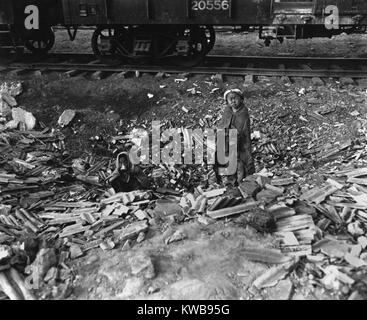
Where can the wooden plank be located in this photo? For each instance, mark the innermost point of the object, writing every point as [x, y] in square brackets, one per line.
[74, 229]
[317, 195]
[281, 211]
[72, 73]
[98, 75]
[282, 181]
[265, 255]
[8, 288]
[108, 229]
[214, 193]
[330, 213]
[226, 212]
[298, 251]
[347, 205]
[270, 277]
[132, 230]
[80, 204]
[358, 180]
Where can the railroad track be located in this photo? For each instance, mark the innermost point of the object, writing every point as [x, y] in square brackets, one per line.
[280, 66]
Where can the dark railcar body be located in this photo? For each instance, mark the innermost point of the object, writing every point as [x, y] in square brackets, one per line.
[216, 12]
[165, 28]
[210, 12]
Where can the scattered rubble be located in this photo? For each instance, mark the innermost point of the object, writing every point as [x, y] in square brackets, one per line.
[50, 200]
[66, 118]
[142, 265]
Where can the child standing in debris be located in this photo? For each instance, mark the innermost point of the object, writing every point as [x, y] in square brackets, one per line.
[236, 116]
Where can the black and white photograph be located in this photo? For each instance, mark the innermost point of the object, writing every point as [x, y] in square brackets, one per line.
[192, 152]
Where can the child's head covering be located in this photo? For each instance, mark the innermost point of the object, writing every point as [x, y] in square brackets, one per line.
[238, 91]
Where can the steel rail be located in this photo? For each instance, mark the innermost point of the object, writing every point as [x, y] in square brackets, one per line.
[240, 71]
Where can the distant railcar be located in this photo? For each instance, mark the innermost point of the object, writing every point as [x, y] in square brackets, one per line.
[13, 31]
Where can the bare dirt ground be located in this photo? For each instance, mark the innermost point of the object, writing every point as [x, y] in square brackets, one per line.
[249, 44]
[208, 264]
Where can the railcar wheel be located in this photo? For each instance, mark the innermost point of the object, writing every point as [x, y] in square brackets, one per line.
[197, 47]
[103, 45]
[40, 41]
[210, 35]
[112, 44]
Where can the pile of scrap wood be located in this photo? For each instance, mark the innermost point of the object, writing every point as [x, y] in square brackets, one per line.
[325, 227]
[45, 195]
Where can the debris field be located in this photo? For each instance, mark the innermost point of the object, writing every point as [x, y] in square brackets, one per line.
[294, 230]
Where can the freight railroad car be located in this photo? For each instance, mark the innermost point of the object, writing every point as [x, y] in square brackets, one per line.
[178, 29]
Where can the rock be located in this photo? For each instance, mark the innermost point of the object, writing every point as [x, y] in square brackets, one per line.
[62, 291]
[354, 261]
[356, 296]
[272, 276]
[75, 252]
[356, 228]
[11, 124]
[141, 237]
[11, 88]
[262, 180]
[189, 289]
[66, 117]
[298, 296]
[5, 253]
[133, 287]
[4, 209]
[317, 81]
[21, 116]
[160, 75]
[362, 83]
[65, 274]
[152, 290]
[167, 207]
[92, 259]
[267, 195]
[363, 242]
[141, 215]
[8, 99]
[142, 265]
[346, 81]
[249, 79]
[356, 250]
[282, 291]
[204, 220]
[51, 274]
[127, 245]
[177, 236]
[108, 244]
[363, 256]
[332, 248]
[46, 258]
[5, 109]
[249, 187]
[217, 78]
[79, 165]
